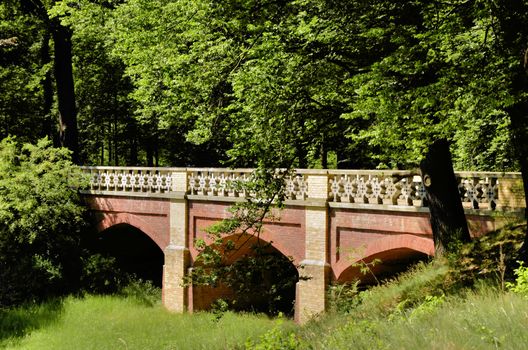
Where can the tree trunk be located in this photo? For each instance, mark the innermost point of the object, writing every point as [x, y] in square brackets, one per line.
[133, 143]
[324, 153]
[47, 87]
[519, 131]
[149, 149]
[520, 140]
[448, 220]
[301, 155]
[68, 133]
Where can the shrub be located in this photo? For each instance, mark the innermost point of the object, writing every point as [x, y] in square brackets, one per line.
[41, 216]
[275, 339]
[521, 281]
[343, 297]
[143, 292]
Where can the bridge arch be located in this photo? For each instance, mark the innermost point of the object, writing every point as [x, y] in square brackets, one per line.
[254, 296]
[111, 219]
[134, 252]
[391, 250]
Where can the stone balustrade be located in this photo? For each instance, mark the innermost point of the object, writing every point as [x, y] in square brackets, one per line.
[478, 190]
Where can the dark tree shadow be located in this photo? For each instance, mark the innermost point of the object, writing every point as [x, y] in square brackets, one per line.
[18, 322]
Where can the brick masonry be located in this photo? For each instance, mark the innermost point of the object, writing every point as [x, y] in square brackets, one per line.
[150, 215]
[326, 240]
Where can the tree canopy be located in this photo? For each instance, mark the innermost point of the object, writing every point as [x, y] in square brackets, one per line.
[325, 83]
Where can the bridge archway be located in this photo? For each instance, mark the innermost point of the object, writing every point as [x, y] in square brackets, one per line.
[257, 278]
[385, 257]
[111, 219]
[134, 251]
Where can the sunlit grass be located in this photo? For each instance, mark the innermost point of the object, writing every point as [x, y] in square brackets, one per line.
[424, 308]
[104, 322]
[482, 321]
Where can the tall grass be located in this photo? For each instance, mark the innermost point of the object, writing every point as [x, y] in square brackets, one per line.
[15, 323]
[455, 303]
[482, 321]
[109, 322]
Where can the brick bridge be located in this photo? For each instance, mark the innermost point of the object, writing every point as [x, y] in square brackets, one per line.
[332, 220]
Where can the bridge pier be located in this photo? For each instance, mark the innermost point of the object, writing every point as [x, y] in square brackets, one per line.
[315, 270]
[174, 295]
[177, 254]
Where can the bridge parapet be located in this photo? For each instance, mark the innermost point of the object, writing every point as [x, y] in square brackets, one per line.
[374, 188]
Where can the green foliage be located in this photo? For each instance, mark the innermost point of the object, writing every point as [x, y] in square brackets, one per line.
[275, 339]
[42, 218]
[428, 306]
[100, 274]
[143, 292]
[219, 308]
[521, 280]
[23, 71]
[105, 322]
[343, 297]
[310, 83]
[491, 256]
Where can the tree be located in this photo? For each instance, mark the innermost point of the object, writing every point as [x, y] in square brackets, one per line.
[513, 44]
[448, 221]
[439, 77]
[256, 74]
[23, 75]
[62, 68]
[42, 216]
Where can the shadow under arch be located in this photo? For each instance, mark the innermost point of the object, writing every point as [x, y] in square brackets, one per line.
[261, 278]
[112, 219]
[394, 253]
[135, 253]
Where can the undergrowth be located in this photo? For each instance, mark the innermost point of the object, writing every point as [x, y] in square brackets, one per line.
[457, 294]
[476, 299]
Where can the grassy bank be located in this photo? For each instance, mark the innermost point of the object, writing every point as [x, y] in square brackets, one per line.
[104, 322]
[483, 319]
[486, 319]
[459, 302]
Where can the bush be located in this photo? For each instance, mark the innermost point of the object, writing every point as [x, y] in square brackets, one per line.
[275, 339]
[42, 217]
[343, 297]
[521, 281]
[143, 292]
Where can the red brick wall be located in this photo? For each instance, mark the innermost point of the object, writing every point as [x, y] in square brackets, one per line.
[354, 233]
[353, 230]
[287, 234]
[201, 297]
[358, 234]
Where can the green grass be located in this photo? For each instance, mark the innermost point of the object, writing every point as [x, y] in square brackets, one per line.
[453, 303]
[482, 321]
[105, 322]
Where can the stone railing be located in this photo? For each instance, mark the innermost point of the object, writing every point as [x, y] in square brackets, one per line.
[478, 190]
[130, 179]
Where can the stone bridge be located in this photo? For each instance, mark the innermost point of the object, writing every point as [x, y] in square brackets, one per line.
[332, 220]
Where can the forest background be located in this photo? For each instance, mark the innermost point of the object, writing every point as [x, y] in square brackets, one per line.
[324, 83]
